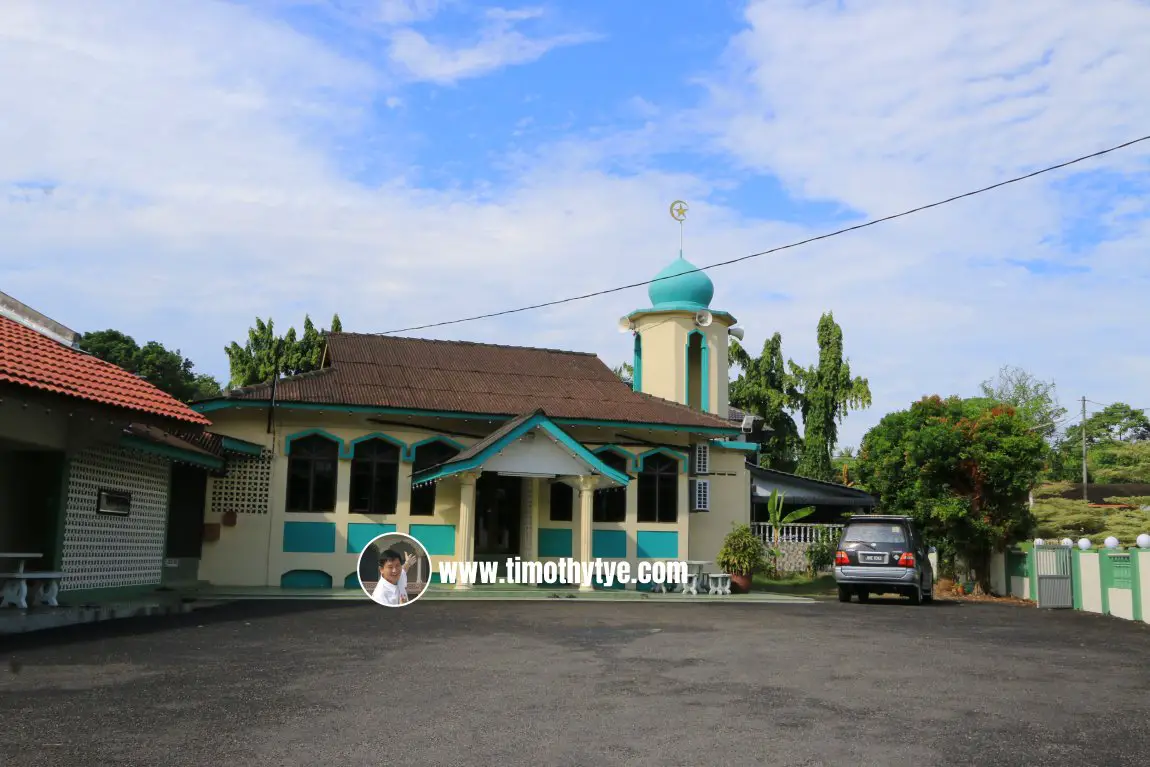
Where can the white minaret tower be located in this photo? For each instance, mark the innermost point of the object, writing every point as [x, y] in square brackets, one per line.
[680, 342]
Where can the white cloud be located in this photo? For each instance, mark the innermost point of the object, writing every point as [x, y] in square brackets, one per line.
[499, 45]
[884, 107]
[196, 187]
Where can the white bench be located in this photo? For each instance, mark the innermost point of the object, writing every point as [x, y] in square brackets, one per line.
[718, 583]
[45, 588]
[14, 585]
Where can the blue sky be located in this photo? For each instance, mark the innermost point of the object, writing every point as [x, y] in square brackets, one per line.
[405, 162]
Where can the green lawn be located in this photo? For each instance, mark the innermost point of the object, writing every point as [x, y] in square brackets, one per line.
[798, 584]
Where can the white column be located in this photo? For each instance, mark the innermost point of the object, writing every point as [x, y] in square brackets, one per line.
[465, 536]
[587, 486]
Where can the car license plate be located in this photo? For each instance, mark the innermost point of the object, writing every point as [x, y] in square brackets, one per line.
[869, 558]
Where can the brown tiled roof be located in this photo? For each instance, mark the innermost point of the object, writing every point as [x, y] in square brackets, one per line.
[191, 443]
[466, 377]
[29, 358]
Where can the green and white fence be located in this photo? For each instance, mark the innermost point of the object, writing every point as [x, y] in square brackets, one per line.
[1109, 581]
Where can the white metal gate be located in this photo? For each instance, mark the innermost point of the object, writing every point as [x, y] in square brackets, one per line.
[1055, 577]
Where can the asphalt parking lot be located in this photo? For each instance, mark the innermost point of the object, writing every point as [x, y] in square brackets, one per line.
[568, 683]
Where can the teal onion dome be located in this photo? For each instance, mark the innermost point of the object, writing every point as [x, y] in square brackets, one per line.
[689, 289]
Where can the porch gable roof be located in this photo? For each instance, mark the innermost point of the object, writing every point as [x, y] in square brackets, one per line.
[511, 432]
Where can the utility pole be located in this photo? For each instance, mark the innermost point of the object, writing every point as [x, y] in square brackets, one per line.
[1085, 496]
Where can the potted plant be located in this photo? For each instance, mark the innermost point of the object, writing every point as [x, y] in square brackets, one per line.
[742, 555]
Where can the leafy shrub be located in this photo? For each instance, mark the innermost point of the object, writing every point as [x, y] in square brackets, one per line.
[821, 552]
[743, 552]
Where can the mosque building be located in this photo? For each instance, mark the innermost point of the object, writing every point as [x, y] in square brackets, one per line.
[485, 451]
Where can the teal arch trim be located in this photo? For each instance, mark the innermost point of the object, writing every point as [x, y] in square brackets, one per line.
[305, 579]
[704, 370]
[349, 449]
[508, 433]
[225, 404]
[352, 581]
[681, 457]
[637, 365]
[409, 456]
[626, 455]
[289, 439]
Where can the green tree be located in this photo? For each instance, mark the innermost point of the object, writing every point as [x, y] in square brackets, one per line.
[165, 369]
[1117, 446]
[826, 391]
[1035, 401]
[963, 468]
[264, 353]
[625, 372]
[765, 388]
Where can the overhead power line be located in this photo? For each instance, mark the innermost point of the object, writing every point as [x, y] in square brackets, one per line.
[809, 240]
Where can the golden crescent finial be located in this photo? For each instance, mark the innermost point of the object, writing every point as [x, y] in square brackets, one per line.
[679, 210]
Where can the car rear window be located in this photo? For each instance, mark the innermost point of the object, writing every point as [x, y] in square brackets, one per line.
[875, 532]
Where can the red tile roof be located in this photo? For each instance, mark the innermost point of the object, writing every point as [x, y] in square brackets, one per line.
[467, 377]
[29, 358]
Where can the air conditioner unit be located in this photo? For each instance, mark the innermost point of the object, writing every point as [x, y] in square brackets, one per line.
[702, 458]
[700, 494]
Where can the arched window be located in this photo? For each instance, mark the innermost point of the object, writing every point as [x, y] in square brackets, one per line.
[611, 505]
[697, 371]
[562, 502]
[428, 456]
[312, 474]
[659, 489]
[375, 477]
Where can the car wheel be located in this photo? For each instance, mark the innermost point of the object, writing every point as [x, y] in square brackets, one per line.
[844, 594]
[928, 596]
[916, 595]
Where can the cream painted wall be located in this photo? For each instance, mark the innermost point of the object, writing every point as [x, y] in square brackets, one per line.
[1121, 603]
[1144, 582]
[251, 553]
[664, 338]
[730, 503]
[1091, 588]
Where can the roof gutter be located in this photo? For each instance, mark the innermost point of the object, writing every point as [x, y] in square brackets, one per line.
[221, 404]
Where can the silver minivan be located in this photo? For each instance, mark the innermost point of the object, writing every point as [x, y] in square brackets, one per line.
[883, 554]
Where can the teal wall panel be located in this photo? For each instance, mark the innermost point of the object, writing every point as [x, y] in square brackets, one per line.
[359, 534]
[309, 537]
[554, 542]
[657, 544]
[439, 540]
[305, 579]
[352, 582]
[609, 544]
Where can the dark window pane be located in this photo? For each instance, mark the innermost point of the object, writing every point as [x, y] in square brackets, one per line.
[562, 502]
[323, 485]
[384, 491]
[611, 505]
[299, 485]
[658, 489]
[427, 456]
[423, 501]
